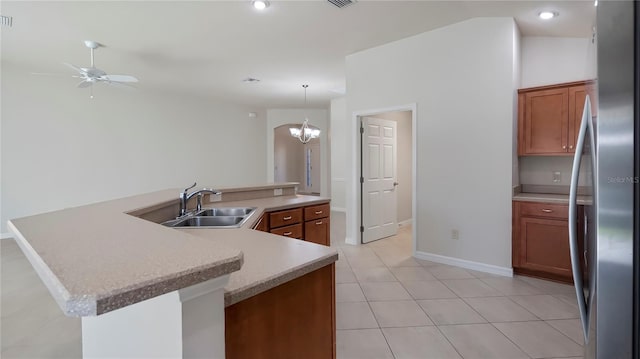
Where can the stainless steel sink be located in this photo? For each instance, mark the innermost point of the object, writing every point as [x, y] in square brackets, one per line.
[223, 217]
[225, 211]
[219, 221]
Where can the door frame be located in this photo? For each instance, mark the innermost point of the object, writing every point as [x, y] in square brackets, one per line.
[354, 214]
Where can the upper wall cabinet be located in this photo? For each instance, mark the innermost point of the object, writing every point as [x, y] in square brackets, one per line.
[549, 117]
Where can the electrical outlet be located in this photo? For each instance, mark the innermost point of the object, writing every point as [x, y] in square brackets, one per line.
[277, 192]
[215, 197]
[557, 177]
[455, 234]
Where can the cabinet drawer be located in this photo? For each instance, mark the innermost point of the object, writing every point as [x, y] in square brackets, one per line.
[285, 218]
[294, 231]
[314, 212]
[545, 210]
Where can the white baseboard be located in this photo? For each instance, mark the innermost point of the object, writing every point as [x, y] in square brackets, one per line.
[477, 266]
[405, 223]
[338, 209]
[6, 235]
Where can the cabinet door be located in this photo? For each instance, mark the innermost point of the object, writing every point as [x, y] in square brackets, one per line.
[545, 122]
[262, 224]
[577, 96]
[544, 246]
[317, 231]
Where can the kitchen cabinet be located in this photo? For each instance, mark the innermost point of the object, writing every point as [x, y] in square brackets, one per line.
[310, 223]
[540, 240]
[549, 117]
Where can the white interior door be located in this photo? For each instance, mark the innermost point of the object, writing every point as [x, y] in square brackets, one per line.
[312, 168]
[379, 197]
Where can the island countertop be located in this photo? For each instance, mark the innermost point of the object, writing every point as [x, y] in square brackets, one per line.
[98, 258]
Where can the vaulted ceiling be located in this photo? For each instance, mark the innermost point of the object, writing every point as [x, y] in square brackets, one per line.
[207, 48]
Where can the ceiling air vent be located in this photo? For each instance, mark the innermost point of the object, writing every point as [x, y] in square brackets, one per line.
[6, 20]
[342, 3]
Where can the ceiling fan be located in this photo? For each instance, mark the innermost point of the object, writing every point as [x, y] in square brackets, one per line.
[91, 75]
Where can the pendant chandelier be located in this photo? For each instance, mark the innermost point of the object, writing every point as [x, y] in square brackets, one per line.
[304, 133]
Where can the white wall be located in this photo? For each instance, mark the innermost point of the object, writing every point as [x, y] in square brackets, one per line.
[404, 189]
[339, 125]
[462, 79]
[62, 149]
[552, 60]
[318, 118]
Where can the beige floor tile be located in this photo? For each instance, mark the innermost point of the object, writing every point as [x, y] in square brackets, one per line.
[406, 274]
[481, 341]
[399, 261]
[365, 262]
[471, 288]
[547, 307]
[356, 250]
[60, 338]
[345, 275]
[427, 264]
[547, 286]
[432, 289]
[539, 339]
[379, 291]
[419, 342]
[28, 320]
[450, 311]
[449, 272]
[405, 313]
[511, 286]
[568, 298]
[362, 344]
[354, 315]
[374, 274]
[479, 274]
[349, 292]
[500, 309]
[569, 327]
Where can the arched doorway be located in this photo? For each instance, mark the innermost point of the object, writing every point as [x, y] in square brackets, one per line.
[295, 161]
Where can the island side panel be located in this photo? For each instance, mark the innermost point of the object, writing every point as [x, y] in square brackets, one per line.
[293, 320]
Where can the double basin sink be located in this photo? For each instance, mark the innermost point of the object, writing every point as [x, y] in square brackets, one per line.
[223, 217]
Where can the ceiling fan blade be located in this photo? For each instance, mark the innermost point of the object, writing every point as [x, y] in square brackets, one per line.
[120, 84]
[48, 74]
[118, 78]
[74, 67]
[85, 84]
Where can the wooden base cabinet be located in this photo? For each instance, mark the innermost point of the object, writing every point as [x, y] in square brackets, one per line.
[311, 223]
[294, 320]
[540, 241]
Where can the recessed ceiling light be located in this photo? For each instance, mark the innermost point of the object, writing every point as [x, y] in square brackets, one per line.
[260, 4]
[547, 15]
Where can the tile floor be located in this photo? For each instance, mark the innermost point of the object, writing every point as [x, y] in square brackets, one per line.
[389, 305]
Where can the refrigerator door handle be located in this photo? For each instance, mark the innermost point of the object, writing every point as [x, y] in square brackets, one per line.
[573, 216]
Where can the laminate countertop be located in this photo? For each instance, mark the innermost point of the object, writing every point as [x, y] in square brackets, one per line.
[98, 258]
[550, 198]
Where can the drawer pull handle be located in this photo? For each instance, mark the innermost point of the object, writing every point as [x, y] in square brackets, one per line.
[286, 218]
[318, 212]
[318, 223]
[287, 233]
[547, 210]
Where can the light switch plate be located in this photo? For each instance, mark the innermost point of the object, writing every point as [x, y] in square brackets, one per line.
[277, 192]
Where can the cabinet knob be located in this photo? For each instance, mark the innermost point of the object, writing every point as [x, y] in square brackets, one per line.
[570, 147]
[287, 233]
[564, 147]
[318, 223]
[286, 218]
[318, 212]
[546, 210]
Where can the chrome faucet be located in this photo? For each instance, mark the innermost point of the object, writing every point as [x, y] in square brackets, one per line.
[185, 197]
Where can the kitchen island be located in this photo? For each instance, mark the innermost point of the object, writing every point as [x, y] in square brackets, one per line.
[104, 259]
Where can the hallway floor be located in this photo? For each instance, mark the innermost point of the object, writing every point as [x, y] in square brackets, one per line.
[389, 305]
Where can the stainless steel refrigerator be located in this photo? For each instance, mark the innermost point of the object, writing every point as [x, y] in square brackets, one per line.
[604, 250]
